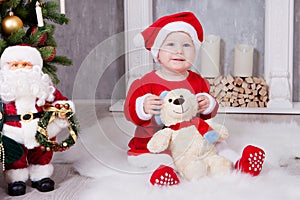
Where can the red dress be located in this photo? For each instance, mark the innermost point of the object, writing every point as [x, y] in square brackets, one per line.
[151, 83]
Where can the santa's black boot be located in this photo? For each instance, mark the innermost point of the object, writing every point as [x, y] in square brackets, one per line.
[44, 185]
[16, 188]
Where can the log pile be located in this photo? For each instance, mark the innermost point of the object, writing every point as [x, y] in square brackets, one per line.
[239, 91]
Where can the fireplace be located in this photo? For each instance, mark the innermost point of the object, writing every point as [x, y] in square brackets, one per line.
[278, 65]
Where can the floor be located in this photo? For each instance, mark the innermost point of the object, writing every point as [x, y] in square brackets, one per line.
[101, 152]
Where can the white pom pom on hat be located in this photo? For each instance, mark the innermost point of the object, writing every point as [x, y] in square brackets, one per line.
[21, 53]
[153, 36]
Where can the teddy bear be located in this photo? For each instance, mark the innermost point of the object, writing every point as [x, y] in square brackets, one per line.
[190, 139]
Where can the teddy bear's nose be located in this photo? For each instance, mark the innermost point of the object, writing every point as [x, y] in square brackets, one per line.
[178, 101]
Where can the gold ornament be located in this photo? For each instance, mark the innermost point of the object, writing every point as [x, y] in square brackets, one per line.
[11, 23]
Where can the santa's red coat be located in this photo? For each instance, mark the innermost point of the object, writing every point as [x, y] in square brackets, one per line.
[10, 108]
[32, 152]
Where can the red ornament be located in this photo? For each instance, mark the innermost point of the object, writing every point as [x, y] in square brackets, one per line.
[42, 39]
[57, 106]
[66, 106]
[52, 56]
[42, 148]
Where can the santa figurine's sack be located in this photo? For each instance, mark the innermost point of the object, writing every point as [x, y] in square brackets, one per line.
[10, 150]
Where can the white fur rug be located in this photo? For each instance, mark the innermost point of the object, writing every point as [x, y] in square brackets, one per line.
[101, 154]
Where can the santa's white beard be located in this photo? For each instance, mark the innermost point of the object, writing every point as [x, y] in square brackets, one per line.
[20, 83]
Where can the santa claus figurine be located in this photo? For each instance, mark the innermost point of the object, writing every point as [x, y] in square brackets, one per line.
[24, 90]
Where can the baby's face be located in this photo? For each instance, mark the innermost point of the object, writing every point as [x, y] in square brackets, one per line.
[177, 52]
[20, 65]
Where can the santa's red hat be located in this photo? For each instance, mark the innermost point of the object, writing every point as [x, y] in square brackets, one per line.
[153, 36]
[21, 53]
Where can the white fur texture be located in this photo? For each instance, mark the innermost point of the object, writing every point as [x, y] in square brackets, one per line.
[38, 172]
[20, 83]
[21, 53]
[160, 141]
[14, 175]
[172, 114]
[100, 153]
[193, 156]
[150, 161]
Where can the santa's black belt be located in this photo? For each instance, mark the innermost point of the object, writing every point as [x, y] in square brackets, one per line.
[26, 117]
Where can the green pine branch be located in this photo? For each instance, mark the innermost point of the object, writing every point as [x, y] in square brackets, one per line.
[3, 45]
[50, 9]
[62, 60]
[51, 71]
[12, 3]
[16, 37]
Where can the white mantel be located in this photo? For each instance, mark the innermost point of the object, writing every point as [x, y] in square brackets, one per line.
[279, 20]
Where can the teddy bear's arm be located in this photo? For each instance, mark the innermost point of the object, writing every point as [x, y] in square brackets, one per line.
[221, 130]
[160, 141]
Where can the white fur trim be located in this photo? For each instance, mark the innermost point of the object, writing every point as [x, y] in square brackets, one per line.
[29, 132]
[212, 103]
[14, 133]
[38, 172]
[139, 41]
[56, 126]
[14, 175]
[21, 53]
[150, 161]
[24, 135]
[173, 27]
[139, 107]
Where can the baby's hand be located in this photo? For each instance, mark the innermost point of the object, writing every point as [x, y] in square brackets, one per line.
[153, 104]
[203, 103]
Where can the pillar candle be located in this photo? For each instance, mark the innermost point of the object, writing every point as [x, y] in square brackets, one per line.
[39, 15]
[62, 7]
[210, 56]
[243, 60]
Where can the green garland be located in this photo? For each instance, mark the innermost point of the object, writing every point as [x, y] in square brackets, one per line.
[42, 136]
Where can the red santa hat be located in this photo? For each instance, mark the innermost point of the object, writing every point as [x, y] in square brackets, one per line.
[21, 53]
[153, 36]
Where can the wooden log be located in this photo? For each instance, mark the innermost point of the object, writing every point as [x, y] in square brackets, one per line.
[229, 78]
[249, 80]
[257, 80]
[252, 105]
[248, 91]
[241, 101]
[245, 85]
[217, 80]
[263, 92]
[238, 81]
[230, 86]
[224, 81]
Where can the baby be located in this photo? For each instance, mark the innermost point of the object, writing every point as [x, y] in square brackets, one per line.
[173, 42]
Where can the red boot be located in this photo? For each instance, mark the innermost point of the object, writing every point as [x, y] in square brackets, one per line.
[251, 161]
[164, 175]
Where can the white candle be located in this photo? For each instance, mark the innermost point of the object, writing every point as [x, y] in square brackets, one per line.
[62, 7]
[243, 60]
[39, 14]
[210, 56]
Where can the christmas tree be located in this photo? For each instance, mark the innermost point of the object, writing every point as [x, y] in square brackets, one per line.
[32, 22]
